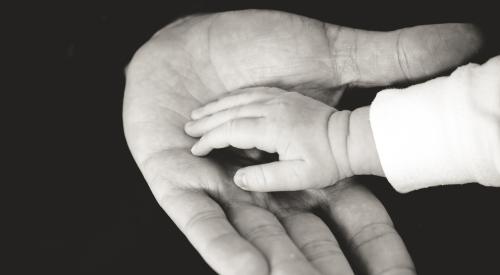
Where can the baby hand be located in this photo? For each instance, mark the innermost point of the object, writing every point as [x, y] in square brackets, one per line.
[275, 121]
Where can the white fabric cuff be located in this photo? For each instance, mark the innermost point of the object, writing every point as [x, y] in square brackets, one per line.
[414, 136]
[444, 131]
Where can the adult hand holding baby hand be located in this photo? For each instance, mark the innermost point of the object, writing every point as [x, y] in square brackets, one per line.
[239, 232]
[276, 121]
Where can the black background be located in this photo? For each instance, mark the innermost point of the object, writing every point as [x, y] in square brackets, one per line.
[84, 208]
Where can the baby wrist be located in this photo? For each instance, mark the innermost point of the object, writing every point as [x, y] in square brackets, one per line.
[338, 131]
[361, 148]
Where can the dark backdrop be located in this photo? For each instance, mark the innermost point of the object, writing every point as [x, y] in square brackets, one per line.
[85, 208]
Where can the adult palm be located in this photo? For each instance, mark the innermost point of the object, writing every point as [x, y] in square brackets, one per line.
[197, 58]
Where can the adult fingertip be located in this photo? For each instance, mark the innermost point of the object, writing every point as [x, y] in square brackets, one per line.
[457, 43]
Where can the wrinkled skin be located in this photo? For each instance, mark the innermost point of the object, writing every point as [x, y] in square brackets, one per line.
[197, 58]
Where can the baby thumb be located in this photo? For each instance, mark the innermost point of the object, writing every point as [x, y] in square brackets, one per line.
[274, 176]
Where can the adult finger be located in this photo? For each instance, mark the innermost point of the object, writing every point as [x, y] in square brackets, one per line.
[370, 58]
[244, 133]
[198, 216]
[368, 230]
[199, 127]
[274, 176]
[206, 226]
[264, 231]
[316, 242]
[236, 98]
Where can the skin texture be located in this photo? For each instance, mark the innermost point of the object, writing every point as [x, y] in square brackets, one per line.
[195, 59]
[317, 146]
[361, 148]
[275, 121]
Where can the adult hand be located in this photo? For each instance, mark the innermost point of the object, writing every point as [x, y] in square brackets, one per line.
[194, 59]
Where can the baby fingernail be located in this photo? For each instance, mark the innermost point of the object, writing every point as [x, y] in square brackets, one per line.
[240, 180]
[194, 149]
[195, 114]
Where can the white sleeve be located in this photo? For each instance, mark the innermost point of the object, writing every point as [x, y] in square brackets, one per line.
[444, 131]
